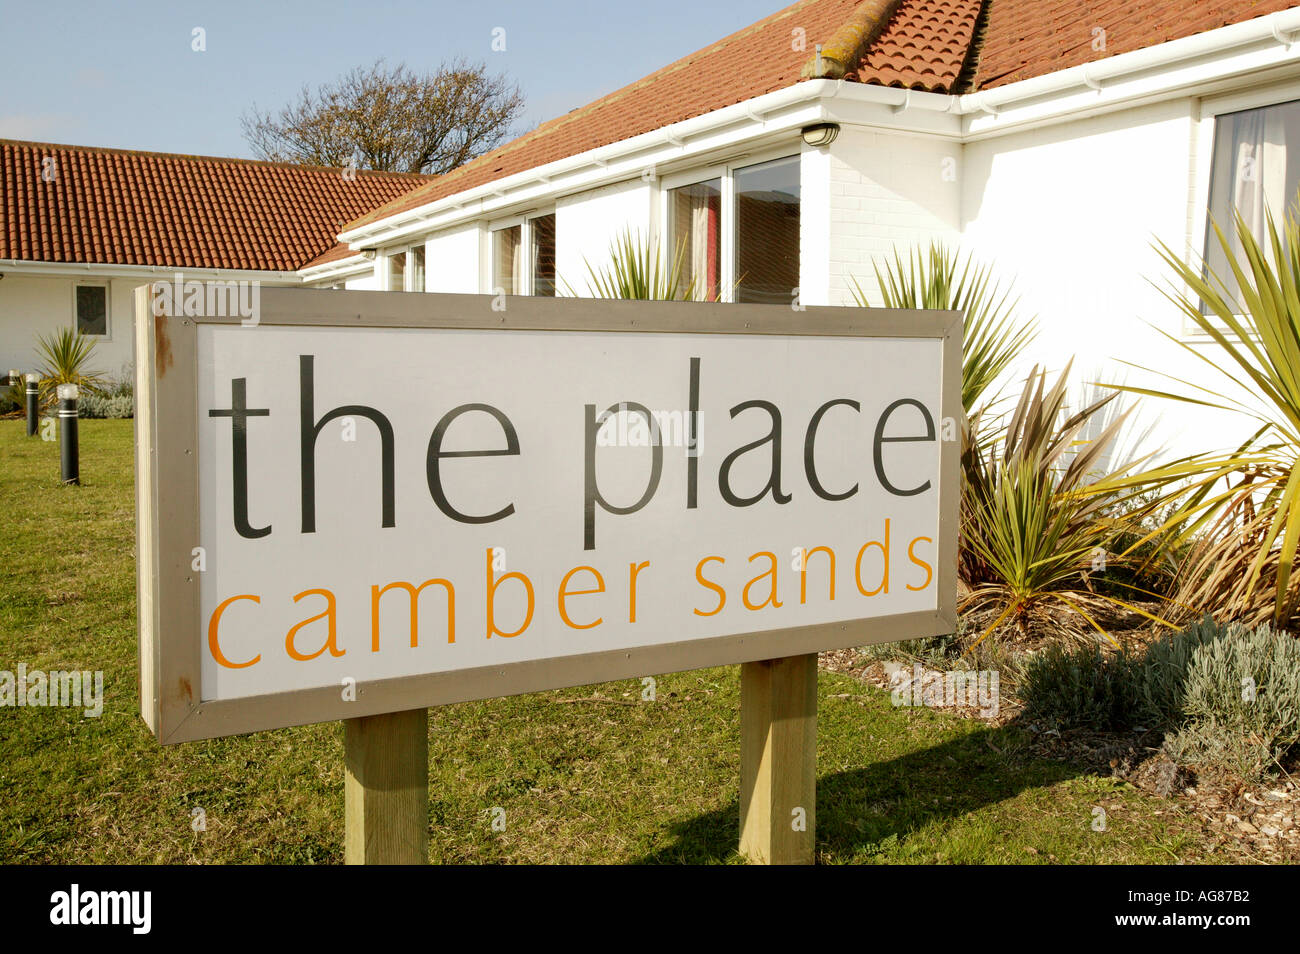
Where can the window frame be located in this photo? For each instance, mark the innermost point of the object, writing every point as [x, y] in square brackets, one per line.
[725, 171]
[1206, 124]
[105, 284]
[525, 222]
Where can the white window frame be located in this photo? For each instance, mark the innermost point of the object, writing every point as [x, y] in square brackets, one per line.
[525, 222]
[726, 172]
[1199, 233]
[108, 306]
[408, 274]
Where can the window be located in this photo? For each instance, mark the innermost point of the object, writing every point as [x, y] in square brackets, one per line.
[397, 271]
[1255, 167]
[542, 229]
[92, 309]
[737, 230]
[523, 257]
[507, 261]
[415, 279]
[767, 231]
[694, 233]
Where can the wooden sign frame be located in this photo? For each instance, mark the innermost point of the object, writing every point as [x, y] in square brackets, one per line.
[167, 472]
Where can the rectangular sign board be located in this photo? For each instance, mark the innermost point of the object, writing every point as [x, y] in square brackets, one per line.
[366, 502]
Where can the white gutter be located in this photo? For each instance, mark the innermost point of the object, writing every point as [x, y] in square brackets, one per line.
[1157, 71]
[24, 267]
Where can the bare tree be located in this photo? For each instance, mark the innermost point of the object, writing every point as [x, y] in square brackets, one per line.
[391, 120]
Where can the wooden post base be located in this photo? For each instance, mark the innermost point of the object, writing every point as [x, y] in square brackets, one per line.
[386, 792]
[778, 760]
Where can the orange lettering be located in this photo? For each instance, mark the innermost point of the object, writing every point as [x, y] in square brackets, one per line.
[803, 572]
[414, 592]
[214, 646]
[722, 594]
[633, 570]
[771, 598]
[492, 585]
[330, 643]
[929, 572]
[565, 593]
[857, 566]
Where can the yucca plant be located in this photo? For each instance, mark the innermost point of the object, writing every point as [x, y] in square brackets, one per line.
[1240, 510]
[940, 278]
[65, 355]
[637, 270]
[1032, 527]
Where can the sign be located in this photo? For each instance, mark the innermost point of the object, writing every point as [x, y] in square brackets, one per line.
[366, 502]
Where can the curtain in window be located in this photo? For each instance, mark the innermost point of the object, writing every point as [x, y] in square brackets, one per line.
[1253, 173]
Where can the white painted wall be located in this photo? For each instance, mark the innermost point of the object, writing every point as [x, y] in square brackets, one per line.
[585, 224]
[364, 282]
[886, 189]
[452, 261]
[1070, 213]
[39, 305]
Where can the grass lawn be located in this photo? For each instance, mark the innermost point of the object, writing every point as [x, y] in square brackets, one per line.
[590, 775]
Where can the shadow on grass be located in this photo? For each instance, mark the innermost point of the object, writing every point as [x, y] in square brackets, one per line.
[858, 811]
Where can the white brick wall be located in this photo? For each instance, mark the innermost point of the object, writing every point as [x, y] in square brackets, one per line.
[886, 190]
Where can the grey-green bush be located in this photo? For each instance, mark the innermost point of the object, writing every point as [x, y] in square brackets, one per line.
[1082, 687]
[109, 406]
[1241, 702]
[1165, 669]
[1225, 695]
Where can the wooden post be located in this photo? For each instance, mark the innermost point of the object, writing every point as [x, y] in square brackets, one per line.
[386, 792]
[778, 760]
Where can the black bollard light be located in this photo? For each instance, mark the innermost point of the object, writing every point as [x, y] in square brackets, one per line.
[33, 403]
[68, 458]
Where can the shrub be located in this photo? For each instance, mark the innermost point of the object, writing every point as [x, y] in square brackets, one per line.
[1082, 687]
[1032, 526]
[105, 406]
[66, 355]
[1165, 670]
[1226, 696]
[116, 399]
[1241, 701]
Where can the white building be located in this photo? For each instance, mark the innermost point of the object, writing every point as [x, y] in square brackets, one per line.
[1055, 142]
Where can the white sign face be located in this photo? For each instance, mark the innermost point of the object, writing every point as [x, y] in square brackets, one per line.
[383, 503]
[411, 501]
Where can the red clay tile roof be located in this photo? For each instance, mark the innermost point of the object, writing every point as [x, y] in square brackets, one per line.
[923, 47]
[928, 45]
[117, 207]
[1028, 38]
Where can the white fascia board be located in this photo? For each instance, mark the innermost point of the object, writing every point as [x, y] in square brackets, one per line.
[897, 110]
[146, 272]
[782, 110]
[343, 268]
[1178, 68]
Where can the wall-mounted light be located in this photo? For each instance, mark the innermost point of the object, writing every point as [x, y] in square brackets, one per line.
[820, 134]
[369, 254]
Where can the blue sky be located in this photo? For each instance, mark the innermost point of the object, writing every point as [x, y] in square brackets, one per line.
[123, 74]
